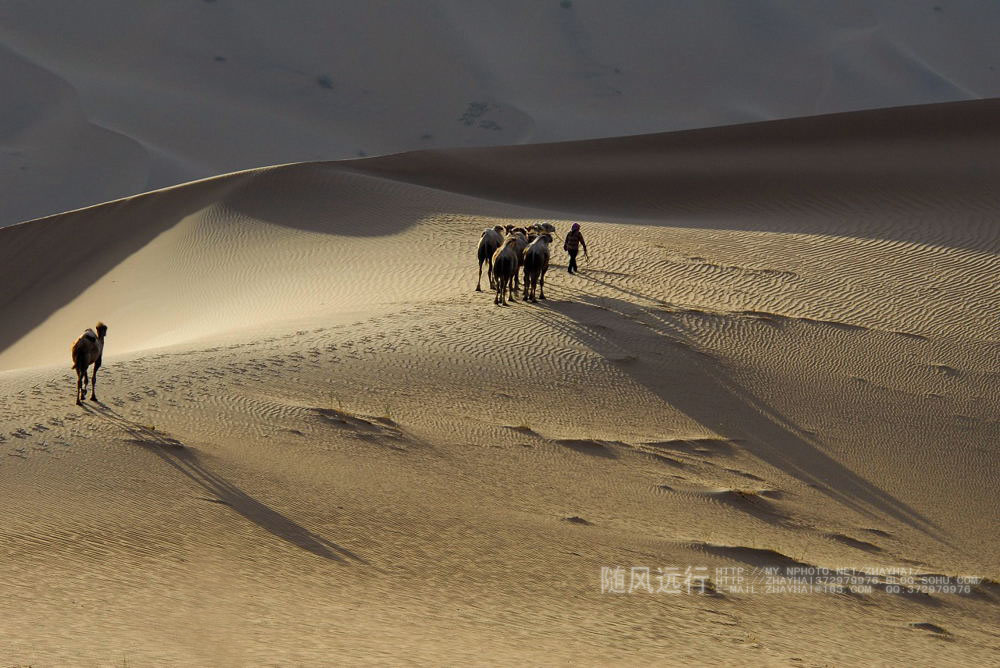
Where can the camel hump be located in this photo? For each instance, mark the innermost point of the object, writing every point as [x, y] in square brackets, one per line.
[89, 334]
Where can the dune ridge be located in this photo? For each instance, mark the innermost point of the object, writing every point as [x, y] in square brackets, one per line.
[129, 98]
[315, 439]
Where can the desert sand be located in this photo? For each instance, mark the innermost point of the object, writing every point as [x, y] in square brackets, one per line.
[109, 98]
[317, 444]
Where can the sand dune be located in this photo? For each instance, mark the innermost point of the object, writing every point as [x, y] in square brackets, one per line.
[853, 190]
[126, 98]
[316, 443]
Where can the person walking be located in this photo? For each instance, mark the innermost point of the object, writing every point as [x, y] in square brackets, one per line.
[574, 240]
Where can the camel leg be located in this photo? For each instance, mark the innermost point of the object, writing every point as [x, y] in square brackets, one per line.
[541, 285]
[93, 384]
[79, 387]
[479, 283]
[489, 272]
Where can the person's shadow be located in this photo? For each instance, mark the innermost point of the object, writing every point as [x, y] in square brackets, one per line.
[660, 352]
[186, 462]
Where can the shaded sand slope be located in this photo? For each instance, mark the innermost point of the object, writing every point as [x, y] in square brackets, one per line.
[843, 174]
[125, 98]
[315, 441]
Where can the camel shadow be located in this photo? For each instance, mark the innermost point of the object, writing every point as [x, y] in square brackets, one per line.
[663, 355]
[186, 462]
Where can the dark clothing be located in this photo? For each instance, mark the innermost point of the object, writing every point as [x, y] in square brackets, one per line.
[573, 241]
[572, 246]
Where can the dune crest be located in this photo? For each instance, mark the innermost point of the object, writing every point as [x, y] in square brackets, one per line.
[154, 96]
[315, 439]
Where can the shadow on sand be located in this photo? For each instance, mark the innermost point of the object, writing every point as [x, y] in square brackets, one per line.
[664, 355]
[186, 462]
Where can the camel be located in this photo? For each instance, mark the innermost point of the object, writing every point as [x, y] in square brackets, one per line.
[505, 266]
[520, 236]
[489, 242]
[536, 263]
[87, 350]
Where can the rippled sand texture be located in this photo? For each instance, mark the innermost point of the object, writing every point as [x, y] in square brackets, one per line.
[316, 443]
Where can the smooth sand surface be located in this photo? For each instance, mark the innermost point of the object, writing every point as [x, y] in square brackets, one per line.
[110, 98]
[316, 443]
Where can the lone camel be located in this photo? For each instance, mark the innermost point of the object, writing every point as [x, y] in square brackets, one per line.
[88, 350]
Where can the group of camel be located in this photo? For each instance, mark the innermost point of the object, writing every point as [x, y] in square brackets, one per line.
[506, 250]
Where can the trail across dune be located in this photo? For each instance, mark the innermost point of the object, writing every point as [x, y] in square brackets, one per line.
[316, 440]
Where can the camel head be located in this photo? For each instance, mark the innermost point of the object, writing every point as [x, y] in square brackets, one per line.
[101, 329]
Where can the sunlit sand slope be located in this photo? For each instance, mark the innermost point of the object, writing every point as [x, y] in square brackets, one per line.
[316, 442]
